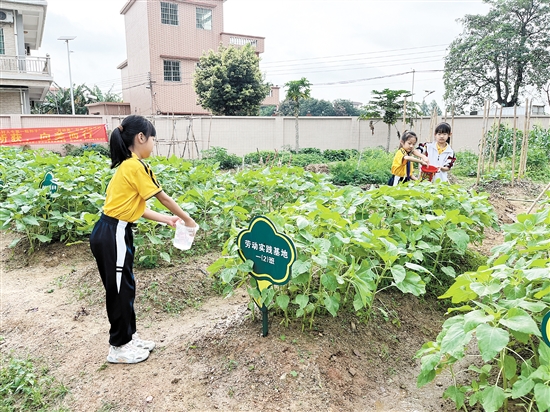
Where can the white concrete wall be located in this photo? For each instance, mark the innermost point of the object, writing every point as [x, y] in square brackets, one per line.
[188, 136]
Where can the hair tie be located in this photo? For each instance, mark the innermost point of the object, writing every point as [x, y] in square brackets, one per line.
[120, 128]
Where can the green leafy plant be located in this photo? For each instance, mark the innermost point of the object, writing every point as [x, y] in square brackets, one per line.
[501, 306]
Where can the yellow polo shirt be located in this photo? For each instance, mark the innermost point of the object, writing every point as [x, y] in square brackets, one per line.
[132, 184]
[399, 164]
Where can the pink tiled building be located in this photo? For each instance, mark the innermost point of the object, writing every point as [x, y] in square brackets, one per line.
[164, 41]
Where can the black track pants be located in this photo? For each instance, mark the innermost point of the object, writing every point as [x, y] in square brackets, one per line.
[112, 244]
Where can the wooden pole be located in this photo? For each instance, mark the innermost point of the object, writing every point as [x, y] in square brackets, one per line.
[538, 198]
[496, 138]
[404, 115]
[481, 143]
[452, 117]
[522, 154]
[486, 131]
[514, 139]
[526, 152]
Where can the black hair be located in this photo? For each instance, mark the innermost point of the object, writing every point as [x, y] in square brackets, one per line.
[443, 127]
[122, 137]
[407, 135]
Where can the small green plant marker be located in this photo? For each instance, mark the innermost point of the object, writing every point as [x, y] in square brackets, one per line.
[49, 181]
[545, 328]
[273, 254]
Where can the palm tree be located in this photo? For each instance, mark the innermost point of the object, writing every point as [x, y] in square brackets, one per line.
[296, 90]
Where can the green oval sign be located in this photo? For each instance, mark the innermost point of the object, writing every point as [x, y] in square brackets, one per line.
[273, 253]
[545, 328]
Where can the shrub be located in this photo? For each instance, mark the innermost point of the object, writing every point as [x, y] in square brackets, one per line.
[72, 150]
[332, 155]
[220, 155]
[373, 167]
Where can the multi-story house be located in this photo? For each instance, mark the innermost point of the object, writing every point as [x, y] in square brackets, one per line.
[24, 79]
[164, 41]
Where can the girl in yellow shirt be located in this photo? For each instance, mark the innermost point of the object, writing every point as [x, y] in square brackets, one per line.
[402, 169]
[112, 240]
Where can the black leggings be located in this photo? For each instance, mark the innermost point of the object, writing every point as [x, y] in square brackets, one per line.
[112, 244]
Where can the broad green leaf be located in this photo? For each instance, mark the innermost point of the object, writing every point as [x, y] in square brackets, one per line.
[165, 256]
[331, 304]
[542, 396]
[491, 340]
[492, 398]
[398, 273]
[460, 239]
[454, 340]
[301, 300]
[475, 318]
[425, 377]
[484, 289]
[412, 284]
[510, 367]
[456, 395]
[300, 266]
[522, 387]
[30, 220]
[329, 281]
[519, 320]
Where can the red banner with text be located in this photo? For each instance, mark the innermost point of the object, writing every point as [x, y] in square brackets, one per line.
[53, 135]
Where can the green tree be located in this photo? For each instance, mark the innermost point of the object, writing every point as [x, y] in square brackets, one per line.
[344, 107]
[387, 105]
[499, 54]
[58, 100]
[311, 107]
[229, 82]
[296, 90]
[268, 110]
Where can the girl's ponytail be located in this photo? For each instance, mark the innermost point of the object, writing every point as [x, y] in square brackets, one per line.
[119, 150]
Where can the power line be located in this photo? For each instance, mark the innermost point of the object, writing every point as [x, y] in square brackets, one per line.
[356, 54]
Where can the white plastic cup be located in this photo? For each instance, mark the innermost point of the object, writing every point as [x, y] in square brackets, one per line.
[184, 236]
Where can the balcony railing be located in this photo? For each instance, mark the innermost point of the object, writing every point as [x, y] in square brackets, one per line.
[242, 41]
[25, 64]
[239, 40]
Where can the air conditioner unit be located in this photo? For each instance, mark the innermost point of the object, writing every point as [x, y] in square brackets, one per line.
[6, 16]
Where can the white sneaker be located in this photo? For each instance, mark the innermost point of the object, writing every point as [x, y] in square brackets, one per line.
[142, 344]
[127, 353]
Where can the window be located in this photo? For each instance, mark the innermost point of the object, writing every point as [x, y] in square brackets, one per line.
[172, 71]
[2, 49]
[169, 13]
[204, 19]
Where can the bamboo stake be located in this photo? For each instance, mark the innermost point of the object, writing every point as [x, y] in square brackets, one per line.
[489, 145]
[404, 115]
[481, 143]
[525, 155]
[433, 123]
[496, 138]
[514, 140]
[538, 198]
[452, 117]
[522, 154]
[486, 131]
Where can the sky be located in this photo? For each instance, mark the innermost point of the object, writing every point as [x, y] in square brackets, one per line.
[345, 48]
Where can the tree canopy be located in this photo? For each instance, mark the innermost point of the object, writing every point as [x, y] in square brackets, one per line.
[58, 100]
[388, 105]
[499, 54]
[229, 82]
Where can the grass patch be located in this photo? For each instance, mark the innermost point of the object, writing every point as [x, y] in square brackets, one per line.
[26, 387]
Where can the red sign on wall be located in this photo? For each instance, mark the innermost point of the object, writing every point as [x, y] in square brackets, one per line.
[52, 135]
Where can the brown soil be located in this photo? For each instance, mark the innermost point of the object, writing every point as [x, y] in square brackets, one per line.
[210, 354]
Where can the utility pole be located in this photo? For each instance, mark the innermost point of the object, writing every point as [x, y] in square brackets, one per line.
[150, 87]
